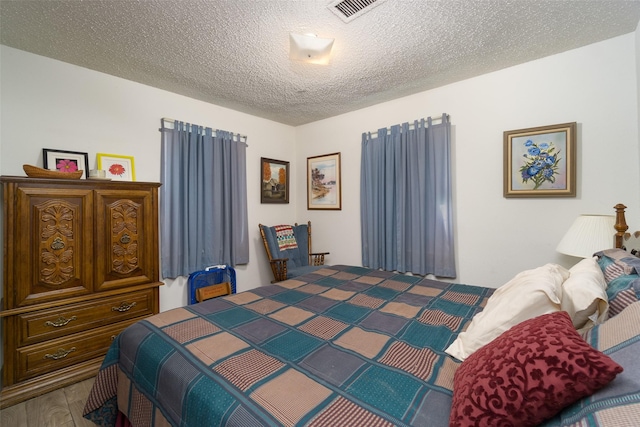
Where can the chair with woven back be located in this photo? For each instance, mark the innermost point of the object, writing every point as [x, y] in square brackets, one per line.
[288, 248]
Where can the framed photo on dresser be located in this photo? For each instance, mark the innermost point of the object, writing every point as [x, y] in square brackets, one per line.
[66, 161]
[117, 167]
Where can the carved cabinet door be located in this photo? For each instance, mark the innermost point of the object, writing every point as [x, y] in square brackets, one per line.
[53, 230]
[124, 238]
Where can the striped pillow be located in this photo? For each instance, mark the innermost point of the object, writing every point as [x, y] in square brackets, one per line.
[623, 291]
[621, 272]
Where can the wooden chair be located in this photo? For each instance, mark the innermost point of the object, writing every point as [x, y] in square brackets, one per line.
[213, 291]
[291, 262]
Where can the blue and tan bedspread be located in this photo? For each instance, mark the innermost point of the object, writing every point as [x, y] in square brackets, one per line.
[341, 346]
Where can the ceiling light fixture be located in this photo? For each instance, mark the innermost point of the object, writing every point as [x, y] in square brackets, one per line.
[309, 48]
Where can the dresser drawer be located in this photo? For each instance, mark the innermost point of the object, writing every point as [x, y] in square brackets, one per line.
[50, 324]
[49, 356]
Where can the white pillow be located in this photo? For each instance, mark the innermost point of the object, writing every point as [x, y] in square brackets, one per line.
[584, 294]
[529, 294]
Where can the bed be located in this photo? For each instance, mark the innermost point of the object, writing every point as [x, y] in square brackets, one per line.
[348, 345]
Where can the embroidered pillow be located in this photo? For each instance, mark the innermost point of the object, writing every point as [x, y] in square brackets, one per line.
[528, 374]
[618, 338]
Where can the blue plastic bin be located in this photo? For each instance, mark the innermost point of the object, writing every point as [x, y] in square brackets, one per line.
[210, 276]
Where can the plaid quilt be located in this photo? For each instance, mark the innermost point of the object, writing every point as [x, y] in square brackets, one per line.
[341, 346]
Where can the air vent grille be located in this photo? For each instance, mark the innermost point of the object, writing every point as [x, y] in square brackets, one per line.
[348, 10]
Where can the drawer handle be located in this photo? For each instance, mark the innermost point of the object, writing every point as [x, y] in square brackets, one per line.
[60, 322]
[125, 239]
[60, 354]
[57, 244]
[124, 307]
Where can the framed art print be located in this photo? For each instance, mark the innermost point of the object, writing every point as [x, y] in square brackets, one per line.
[274, 181]
[117, 167]
[540, 162]
[66, 161]
[324, 185]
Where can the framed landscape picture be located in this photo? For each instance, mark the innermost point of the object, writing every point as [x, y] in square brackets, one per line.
[324, 185]
[274, 181]
[540, 162]
[66, 161]
[117, 167]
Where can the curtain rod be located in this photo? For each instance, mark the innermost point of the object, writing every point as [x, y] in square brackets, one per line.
[411, 125]
[168, 120]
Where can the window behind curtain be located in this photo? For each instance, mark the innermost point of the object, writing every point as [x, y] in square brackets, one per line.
[203, 199]
[405, 191]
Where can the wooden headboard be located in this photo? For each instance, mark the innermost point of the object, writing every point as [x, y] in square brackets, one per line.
[622, 236]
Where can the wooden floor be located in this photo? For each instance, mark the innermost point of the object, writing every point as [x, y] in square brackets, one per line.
[59, 408]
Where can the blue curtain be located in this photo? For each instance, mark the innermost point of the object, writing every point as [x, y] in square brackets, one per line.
[405, 199]
[203, 199]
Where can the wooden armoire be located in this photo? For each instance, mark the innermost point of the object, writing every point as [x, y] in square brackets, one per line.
[81, 263]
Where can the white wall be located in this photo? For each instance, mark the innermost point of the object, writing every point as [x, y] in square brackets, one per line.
[50, 104]
[594, 86]
[637, 33]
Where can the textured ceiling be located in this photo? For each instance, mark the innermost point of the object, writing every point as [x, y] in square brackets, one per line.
[234, 53]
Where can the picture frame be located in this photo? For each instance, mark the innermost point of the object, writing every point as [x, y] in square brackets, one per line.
[274, 181]
[540, 161]
[324, 183]
[117, 167]
[66, 161]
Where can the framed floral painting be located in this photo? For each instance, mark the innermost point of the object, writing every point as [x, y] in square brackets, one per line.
[117, 167]
[540, 162]
[66, 161]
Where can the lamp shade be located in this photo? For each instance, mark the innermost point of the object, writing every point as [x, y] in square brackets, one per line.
[588, 234]
[309, 48]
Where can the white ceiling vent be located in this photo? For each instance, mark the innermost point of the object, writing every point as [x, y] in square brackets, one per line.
[348, 10]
